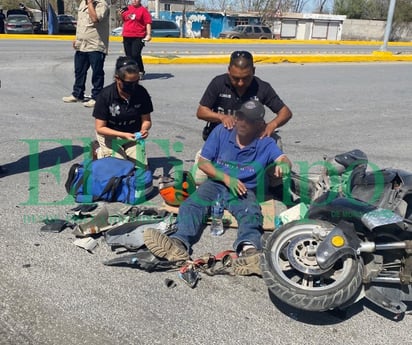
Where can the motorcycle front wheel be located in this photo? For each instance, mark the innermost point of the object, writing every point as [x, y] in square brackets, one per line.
[291, 272]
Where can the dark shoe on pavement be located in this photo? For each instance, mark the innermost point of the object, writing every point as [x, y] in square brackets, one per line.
[247, 263]
[165, 247]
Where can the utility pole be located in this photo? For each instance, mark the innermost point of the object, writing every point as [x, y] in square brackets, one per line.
[157, 9]
[183, 28]
[388, 28]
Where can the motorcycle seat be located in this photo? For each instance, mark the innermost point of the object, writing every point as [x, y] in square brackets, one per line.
[348, 158]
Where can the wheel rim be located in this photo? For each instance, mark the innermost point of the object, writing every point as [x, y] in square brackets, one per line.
[293, 256]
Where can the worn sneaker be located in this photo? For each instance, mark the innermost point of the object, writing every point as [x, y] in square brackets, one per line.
[247, 263]
[165, 247]
[90, 103]
[70, 99]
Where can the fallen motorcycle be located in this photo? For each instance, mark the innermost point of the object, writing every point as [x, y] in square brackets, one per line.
[355, 240]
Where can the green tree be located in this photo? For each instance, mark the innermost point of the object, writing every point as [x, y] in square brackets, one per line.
[378, 9]
[353, 9]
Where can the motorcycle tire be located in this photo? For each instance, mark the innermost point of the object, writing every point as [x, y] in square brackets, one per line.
[290, 270]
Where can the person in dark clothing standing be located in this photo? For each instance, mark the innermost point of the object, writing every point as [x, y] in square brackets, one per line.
[137, 27]
[2, 18]
[91, 46]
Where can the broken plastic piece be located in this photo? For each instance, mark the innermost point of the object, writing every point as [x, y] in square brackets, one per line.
[85, 207]
[190, 277]
[56, 225]
[96, 225]
[87, 243]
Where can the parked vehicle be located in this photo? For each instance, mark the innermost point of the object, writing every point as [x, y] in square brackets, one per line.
[117, 31]
[248, 31]
[18, 24]
[33, 15]
[67, 24]
[160, 28]
[165, 28]
[355, 242]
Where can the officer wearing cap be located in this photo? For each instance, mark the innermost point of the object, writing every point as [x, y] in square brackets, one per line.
[235, 162]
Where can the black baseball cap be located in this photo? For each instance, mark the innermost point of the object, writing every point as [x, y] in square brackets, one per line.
[252, 110]
[124, 61]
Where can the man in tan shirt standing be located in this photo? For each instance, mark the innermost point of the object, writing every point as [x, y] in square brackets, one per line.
[91, 45]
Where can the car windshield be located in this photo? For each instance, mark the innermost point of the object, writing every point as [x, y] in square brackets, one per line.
[18, 19]
[66, 18]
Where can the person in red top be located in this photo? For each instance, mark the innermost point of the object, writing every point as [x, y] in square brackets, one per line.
[137, 27]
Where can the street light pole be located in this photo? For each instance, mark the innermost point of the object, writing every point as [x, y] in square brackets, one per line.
[183, 28]
[388, 28]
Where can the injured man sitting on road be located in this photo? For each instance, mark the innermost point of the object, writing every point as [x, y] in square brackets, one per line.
[235, 162]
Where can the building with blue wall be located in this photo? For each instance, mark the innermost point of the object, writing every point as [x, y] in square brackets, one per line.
[207, 24]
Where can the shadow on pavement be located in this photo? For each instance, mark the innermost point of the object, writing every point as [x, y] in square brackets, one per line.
[330, 317]
[335, 316]
[167, 164]
[43, 159]
[150, 76]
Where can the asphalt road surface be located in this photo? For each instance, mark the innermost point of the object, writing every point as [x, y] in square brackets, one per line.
[182, 48]
[52, 292]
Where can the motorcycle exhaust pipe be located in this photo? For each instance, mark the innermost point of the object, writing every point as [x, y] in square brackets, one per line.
[386, 280]
[370, 247]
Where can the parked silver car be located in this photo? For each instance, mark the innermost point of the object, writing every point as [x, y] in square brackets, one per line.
[248, 31]
[160, 28]
[18, 24]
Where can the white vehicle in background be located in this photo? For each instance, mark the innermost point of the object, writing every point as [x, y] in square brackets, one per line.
[160, 28]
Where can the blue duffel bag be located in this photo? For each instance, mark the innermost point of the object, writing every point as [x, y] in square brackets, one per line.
[109, 179]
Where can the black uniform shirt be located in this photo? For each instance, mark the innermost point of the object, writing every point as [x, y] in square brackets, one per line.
[221, 96]
[119, 114]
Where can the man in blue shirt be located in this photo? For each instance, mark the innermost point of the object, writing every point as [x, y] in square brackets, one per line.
[235, 161]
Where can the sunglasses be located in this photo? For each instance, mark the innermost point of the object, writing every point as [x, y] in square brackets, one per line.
[129, 83]
[241, 54]
[241, 117]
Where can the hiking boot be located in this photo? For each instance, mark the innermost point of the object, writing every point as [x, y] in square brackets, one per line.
[247, 263]
[165, 247]
[70, 99]
[90, 103]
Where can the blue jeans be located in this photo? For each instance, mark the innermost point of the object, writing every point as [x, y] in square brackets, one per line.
[82, 63]
[195, 209]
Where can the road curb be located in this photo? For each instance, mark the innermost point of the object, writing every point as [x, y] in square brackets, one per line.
[376, 56]
[207, 40]
[274, 59]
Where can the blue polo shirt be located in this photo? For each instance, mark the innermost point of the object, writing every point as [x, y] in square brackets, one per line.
[247, 164]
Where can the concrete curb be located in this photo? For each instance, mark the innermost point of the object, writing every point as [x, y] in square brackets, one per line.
[376, 56]
[273, 59]
[207, 40]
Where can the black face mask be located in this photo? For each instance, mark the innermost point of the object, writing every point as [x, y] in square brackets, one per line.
[129, 86]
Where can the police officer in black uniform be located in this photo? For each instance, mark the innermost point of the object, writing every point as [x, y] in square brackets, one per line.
[227, 92]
